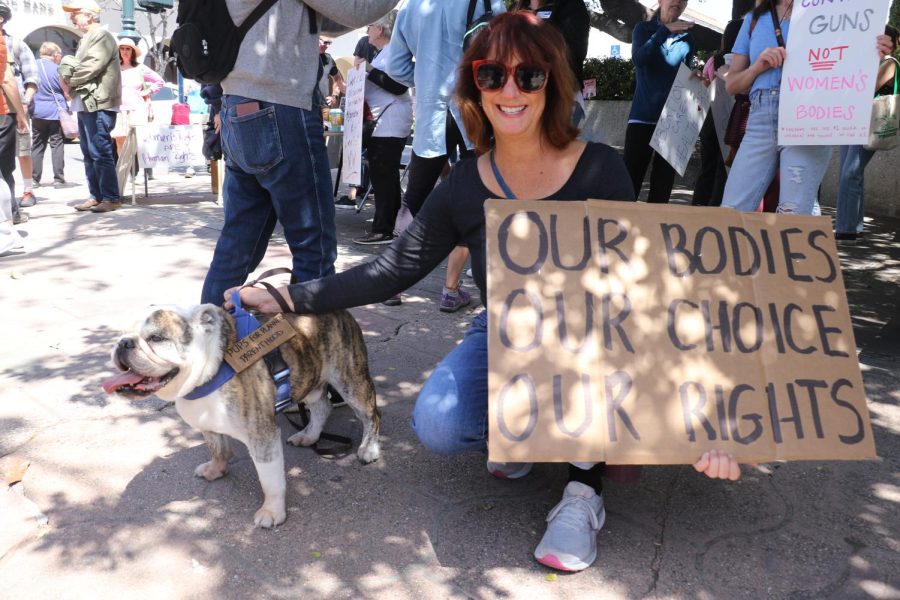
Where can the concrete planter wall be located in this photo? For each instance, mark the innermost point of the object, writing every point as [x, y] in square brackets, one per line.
[606, 120]
[882, 183]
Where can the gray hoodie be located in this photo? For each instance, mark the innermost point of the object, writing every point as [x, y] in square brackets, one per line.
[278, 61]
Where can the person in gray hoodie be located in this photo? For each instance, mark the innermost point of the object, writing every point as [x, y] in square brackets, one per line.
[271, 127]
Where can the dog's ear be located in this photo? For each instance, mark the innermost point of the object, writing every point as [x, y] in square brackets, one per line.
[207, 317]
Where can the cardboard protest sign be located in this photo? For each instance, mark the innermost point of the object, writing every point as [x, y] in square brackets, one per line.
[170, 145]
[721, 104]
[681, 120]
[353, 121]
[828, 79]
[639, 334]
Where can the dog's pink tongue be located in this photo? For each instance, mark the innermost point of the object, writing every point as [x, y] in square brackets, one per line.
[126, 378]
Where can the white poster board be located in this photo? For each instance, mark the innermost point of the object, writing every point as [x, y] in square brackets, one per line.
[829, 76]
[169, 145]
[353, 120]
[681, 120]
[721, 104]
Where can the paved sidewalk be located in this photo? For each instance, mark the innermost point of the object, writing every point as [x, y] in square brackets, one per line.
[126, 518]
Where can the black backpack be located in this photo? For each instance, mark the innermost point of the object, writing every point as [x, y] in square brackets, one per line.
[206, 42]
[474, 26]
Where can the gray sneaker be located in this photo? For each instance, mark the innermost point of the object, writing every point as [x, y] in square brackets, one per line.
[570, 542]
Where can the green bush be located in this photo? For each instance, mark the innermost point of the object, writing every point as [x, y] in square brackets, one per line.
[615, 77]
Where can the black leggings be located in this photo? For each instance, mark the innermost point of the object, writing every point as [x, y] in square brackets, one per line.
[424, 172]
[384, 169]
[710, 186]
[637, 158]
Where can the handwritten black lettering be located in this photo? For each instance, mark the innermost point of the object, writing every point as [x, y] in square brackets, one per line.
[554, 245]
[532, 408]
[612, 244]
[538, 320]
[558, 412]
[503, 242]
[621, 383]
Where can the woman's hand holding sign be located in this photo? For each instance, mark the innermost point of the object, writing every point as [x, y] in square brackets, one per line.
[885, 46]
[771, 58]
[718, 465]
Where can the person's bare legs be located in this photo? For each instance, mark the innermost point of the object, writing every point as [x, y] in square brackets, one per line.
[454, 297]
[456, 262]
[28, 198]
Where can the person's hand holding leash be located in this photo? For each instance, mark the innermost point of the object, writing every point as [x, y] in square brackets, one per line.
[259, 300]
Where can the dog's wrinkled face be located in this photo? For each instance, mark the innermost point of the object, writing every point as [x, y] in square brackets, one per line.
[169, 353]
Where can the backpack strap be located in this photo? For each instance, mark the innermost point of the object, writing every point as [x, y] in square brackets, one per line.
[261, 9]
[313, 24]
[471, 13]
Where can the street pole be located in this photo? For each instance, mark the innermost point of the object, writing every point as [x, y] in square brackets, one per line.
[128, 30]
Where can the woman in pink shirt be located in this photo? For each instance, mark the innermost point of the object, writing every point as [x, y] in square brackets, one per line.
[139, 82]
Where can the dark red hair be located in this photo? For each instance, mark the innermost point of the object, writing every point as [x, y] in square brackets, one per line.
[527, 38]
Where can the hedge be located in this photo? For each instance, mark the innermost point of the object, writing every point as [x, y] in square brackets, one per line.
[615, 77]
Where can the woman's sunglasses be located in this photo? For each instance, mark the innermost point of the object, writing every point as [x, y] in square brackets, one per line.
[491, 76]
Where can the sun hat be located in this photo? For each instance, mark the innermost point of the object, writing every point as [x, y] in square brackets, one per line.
[129, 43]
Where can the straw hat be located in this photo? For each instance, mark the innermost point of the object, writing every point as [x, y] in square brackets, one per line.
[79, 6]
[129, 43]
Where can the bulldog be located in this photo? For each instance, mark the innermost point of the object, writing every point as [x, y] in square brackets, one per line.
[173, 351]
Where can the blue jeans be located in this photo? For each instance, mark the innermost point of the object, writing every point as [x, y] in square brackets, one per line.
[451, 412]
[450, 416]
[802, 167]
[97, 149]
[851, 191]
[276, 171]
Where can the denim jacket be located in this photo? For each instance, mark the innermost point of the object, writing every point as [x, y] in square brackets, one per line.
[431, 31]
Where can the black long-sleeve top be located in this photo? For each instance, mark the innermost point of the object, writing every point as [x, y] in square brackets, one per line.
[453, 214]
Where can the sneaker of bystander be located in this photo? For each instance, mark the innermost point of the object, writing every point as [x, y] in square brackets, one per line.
[452, 301]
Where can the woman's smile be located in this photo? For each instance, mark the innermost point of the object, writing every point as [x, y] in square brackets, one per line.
[511, 110]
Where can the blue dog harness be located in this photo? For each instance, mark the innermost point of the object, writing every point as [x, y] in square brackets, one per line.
[245, 324]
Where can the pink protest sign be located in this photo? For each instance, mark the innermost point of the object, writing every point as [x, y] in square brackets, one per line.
[829, 77]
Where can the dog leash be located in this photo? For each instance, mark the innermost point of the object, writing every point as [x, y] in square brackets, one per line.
[279, 369]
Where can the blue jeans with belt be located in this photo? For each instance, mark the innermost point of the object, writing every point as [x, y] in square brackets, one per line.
[276, 171]
[802, 167]
[851, 190]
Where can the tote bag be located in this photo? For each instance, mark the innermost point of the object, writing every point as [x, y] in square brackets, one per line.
[885, 122]
[69, 123]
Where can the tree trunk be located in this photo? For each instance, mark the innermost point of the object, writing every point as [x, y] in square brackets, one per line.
[618, 17]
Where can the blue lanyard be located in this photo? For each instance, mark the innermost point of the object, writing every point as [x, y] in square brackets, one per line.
[500, 180]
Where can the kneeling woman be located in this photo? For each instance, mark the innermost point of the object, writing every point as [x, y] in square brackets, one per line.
[514, 89]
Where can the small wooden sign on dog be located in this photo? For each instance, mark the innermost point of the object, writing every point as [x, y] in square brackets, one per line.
[252, 348]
